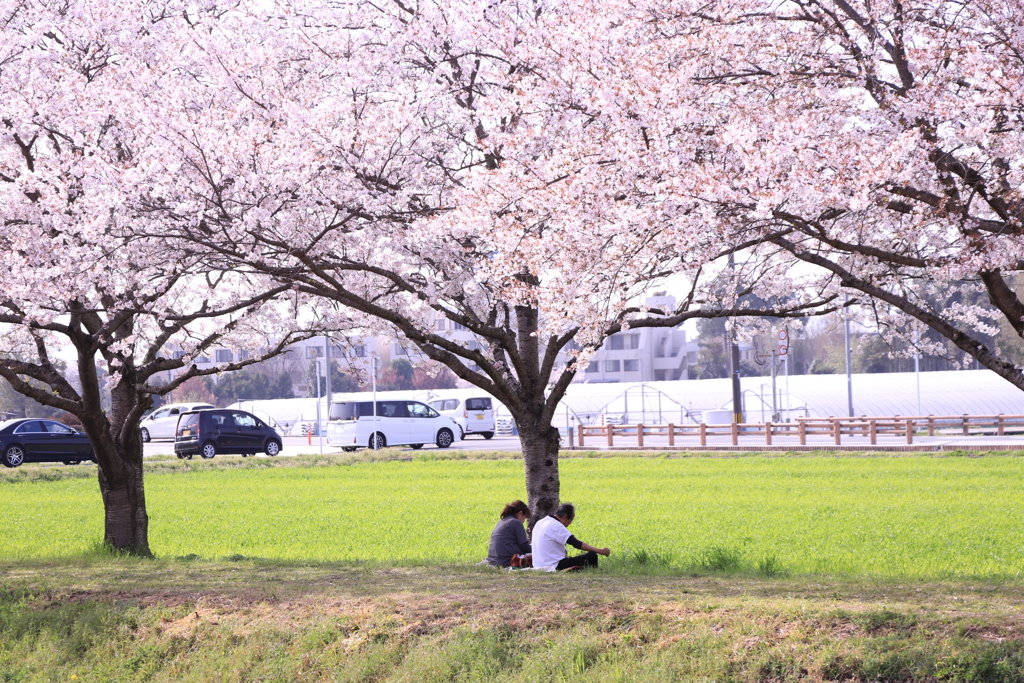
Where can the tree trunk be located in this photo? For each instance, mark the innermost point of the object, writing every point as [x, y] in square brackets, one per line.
[117, 443]
[540, 460]
[126, 523]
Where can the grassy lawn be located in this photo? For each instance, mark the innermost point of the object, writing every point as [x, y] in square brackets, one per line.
[753, 569]
[898, 517]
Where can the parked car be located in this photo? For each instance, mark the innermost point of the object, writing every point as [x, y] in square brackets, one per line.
[397, 423]
[473, 415]
[209, 432]
[42, 441]
[161, 423]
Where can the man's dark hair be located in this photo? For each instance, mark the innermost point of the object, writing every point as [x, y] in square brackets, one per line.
[567, 510]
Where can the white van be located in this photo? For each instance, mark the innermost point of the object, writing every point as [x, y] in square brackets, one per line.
[161, 423]
[398, 423]
[473, 415]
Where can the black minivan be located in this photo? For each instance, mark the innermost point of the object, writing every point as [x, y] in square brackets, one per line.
[209, 432]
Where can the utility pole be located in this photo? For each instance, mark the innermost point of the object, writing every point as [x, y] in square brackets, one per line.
[849, 365]
[734, 367]
[327, 371]
[734, 370]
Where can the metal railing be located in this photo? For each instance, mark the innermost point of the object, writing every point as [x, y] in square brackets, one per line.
[835, 427]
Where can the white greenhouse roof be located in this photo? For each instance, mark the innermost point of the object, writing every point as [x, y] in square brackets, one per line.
[974, 392]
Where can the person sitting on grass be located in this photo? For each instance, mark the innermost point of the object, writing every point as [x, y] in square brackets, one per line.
[509, 537]
[551, 535]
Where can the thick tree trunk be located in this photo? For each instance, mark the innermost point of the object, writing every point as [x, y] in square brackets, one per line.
[117, 443]
[540, 460]
[126, 523]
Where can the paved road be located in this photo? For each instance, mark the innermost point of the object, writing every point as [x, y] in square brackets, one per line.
[294, 445]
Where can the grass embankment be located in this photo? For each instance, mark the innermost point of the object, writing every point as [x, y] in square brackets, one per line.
[100, 619]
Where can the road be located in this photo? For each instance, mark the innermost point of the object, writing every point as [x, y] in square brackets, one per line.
[294, 445]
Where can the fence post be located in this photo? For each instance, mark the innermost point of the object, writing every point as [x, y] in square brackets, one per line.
[910, 431]
[999, 424]
[581, 428]
[639, 436]
[873, 432]
[703, 434]
[967, 421]
[610, 431]
[671, 434]
[931, 426]
[801, 430]
[735, 434]
[837, 430]
[768, 433]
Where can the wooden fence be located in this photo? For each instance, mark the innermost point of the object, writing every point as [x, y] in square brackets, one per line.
[834, 427]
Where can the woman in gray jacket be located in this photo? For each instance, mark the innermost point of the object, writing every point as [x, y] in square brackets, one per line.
[509, 536]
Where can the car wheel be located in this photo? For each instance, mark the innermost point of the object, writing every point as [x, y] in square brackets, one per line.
[415, 446]
[145, 435]
[445, 438]
[381, 442]
[487, 435]
[72, 462]
[209, 450]
[273, 448]
[348, 449]
[13, 456]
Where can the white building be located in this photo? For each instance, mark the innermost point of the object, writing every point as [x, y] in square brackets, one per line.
[644, 354]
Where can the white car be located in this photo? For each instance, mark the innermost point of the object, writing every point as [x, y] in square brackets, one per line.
[398, 423]
[161, 423]
[473, 415]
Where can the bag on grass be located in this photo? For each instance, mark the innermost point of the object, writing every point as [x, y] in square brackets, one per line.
[521, 561]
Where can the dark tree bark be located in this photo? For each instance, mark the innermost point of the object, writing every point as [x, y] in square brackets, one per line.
[115, 435]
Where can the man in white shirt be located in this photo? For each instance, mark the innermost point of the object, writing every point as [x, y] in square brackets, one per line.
[551, 535]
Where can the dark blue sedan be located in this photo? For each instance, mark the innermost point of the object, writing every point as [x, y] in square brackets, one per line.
[42, 441]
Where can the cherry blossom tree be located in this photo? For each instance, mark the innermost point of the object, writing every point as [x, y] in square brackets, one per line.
[489, 164]
[77, 147]
[881, 144]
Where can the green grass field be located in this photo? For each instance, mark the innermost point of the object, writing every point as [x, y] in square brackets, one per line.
[336, 568]
[908, 516]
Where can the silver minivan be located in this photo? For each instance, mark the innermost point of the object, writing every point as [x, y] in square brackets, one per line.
[474, 415]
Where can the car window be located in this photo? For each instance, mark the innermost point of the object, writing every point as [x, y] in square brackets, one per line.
[158, 414]
[188, 421]
[58, 428]
[30, 427]
[393, 409]
[451, 404]
[219, 419]
[417, 409]
[173, 411]
[243, 420]
[478, 404]
[437, 405]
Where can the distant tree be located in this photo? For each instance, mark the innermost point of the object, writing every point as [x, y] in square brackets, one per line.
[14, 404]
[398, 376]
[340, 381]
[251, 384]
[193, 390]
[433, 375]
[713, 357]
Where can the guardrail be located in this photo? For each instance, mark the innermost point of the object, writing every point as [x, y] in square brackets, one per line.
[835, 427]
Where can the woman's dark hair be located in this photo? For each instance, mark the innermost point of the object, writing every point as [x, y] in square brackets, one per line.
[567, 510]
[514, 508]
